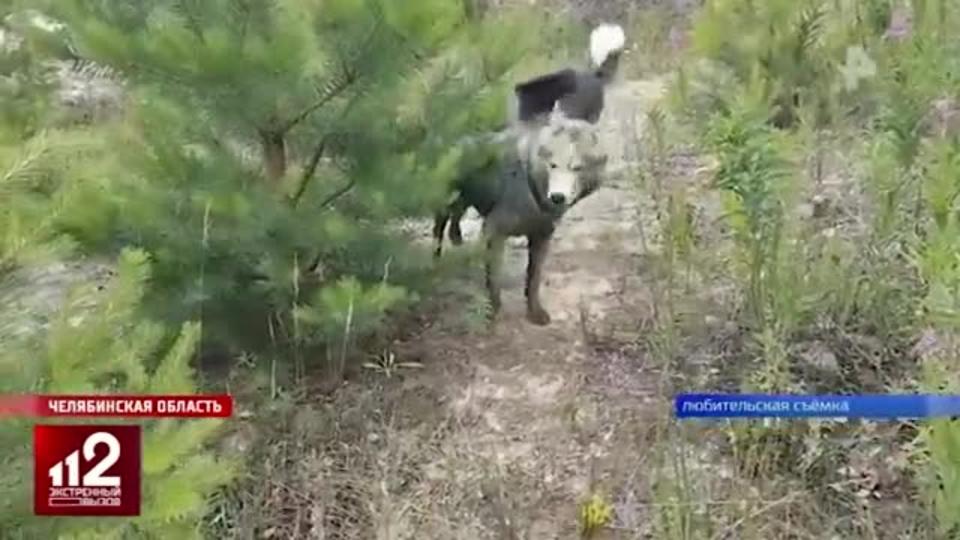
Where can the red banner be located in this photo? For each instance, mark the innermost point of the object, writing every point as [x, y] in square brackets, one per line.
[114, 406]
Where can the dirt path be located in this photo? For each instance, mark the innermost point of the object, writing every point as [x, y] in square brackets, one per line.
[535, 419]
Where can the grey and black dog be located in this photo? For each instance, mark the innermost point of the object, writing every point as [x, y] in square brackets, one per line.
[525, 185]
[540, 167]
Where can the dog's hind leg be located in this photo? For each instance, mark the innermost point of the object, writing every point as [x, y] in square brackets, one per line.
[537, 249]
[494, 264]
[457, 210]
[439, 224]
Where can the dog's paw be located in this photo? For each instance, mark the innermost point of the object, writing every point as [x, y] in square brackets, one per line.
[538, 316]
[493, 310]
[456, 237]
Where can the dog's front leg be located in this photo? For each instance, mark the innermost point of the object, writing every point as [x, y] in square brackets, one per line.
[457, 210]
[537, 249]
[439, 224]
[494, 264]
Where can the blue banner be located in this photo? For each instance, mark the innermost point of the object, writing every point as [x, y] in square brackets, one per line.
[829, 406]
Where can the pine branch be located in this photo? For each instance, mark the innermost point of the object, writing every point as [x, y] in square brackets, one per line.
[244, 13]
[309, 171]
[90, 70]
[347, 77]
[41, 156]
[339, 193]
[192, 20]
[808, 31]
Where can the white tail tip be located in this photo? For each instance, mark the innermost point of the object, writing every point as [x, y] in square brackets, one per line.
[604, 40]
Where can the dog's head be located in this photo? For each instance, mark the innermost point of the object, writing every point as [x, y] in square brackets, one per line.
[570, 160]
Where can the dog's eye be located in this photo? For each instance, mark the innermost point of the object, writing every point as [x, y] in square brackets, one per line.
[553, 165]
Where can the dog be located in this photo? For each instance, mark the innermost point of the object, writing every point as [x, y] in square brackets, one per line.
[578, 95]
[531, 176]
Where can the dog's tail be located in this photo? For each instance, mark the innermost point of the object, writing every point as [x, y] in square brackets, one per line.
[605, 40]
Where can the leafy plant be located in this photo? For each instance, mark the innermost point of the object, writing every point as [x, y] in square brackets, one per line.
[595, 514]
[808, 54]
[752, 170]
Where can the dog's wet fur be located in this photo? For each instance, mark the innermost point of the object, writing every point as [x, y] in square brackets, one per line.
[525, 180]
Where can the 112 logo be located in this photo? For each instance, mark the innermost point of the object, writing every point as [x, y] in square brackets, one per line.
[89, 470]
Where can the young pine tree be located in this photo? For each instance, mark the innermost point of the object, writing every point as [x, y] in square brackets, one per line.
[37, 160]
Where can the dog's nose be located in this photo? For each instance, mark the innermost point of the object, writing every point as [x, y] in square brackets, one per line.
[558, 198]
